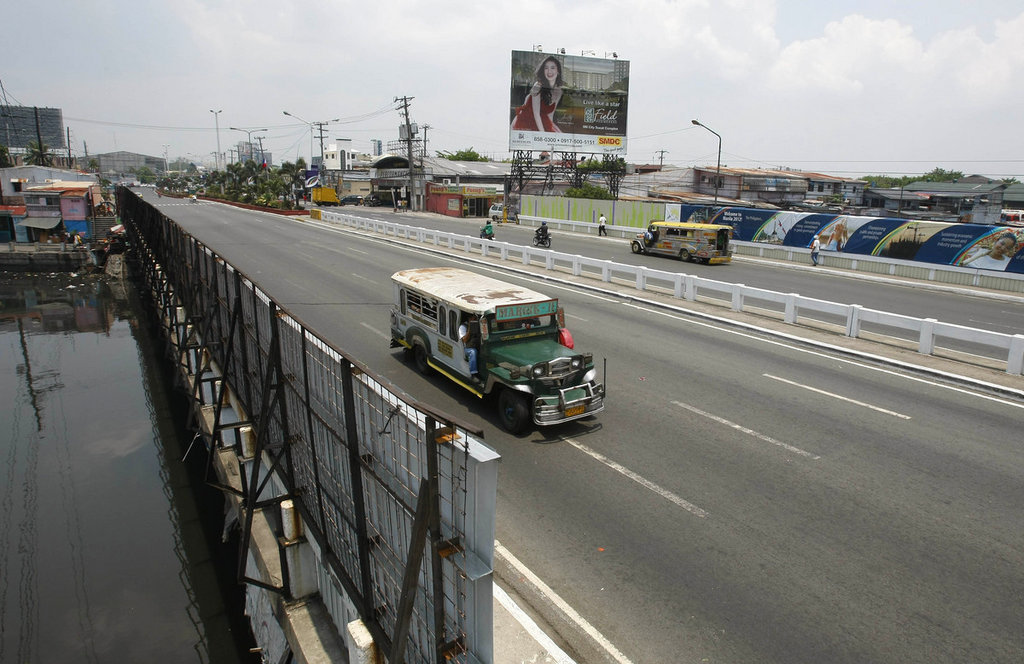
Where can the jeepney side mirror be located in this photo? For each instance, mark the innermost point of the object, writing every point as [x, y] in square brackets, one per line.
[560, 317]
[483, 329]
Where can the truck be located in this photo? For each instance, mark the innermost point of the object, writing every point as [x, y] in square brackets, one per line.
[494, 337]
[325, 196]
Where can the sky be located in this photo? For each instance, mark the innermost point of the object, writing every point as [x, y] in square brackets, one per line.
[843, 87]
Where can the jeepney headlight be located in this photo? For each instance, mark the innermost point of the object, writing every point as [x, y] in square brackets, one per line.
[576, 362]
[539, 370]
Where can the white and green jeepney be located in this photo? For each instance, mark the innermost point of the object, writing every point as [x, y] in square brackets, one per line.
[524, 352]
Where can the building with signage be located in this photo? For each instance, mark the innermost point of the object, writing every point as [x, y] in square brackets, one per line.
[461, 200]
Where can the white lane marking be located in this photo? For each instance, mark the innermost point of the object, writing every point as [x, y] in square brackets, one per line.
[570, 613]
[619, 468]
[836, 358]
[359, 276]
[713, 326]
[532, 628]
[375, 330]
[749, 432]
[836, 396]
[356, 251]
[574, 317]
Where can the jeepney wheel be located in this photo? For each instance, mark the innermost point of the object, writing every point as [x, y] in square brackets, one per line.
[513, 411]
[684, 256]
[419, 356]
[636, 247]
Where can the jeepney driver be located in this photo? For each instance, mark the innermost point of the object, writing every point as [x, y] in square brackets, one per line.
[465, 334]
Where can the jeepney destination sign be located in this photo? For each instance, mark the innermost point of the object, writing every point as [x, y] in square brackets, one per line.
[527, 310]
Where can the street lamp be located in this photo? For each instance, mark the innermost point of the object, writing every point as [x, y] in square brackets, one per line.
[216, 122]
[311, 124]
[248, 134]
[718, 169]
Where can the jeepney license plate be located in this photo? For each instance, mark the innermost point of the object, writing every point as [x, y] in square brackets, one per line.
[574, 410]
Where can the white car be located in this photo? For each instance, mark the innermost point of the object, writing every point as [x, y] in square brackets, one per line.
[497, 212]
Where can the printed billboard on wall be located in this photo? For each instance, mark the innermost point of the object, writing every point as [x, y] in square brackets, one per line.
[999, 248]
[568, 103]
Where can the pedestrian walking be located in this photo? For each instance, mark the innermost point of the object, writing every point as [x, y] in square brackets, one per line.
[815, 249]
[601, 229]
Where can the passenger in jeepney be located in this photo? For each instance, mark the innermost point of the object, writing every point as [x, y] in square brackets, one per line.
[469, 336]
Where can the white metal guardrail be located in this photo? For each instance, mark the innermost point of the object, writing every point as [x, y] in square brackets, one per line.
[893, 267]
[927, 331]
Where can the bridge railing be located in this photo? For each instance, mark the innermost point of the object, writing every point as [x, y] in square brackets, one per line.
[396, 498]
[855, 320]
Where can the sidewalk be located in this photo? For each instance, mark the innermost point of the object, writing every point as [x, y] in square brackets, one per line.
[518, 639]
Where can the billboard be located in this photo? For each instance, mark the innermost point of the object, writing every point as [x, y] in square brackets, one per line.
[568, 103]
[19, 126]
[980, 246]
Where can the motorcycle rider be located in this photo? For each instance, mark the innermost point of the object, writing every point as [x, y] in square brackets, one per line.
[487, 232]
[542, 231]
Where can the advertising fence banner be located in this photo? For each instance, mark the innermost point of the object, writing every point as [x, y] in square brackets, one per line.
[967, 245]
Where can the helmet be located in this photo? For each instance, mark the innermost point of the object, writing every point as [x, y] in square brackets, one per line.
[543, 223]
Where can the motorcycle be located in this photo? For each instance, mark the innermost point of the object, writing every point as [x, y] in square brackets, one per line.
[542, 240]
[487, 233]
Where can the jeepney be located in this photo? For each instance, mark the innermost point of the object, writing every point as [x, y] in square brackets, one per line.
[524, 354]
[701, 243]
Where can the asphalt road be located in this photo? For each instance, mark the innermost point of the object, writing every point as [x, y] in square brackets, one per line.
[741, 499]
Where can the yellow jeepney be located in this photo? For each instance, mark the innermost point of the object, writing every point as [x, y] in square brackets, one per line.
[701, 243]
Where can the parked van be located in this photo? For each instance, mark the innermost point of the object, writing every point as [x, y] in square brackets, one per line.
[324, 196]
[701, 243]
[523, 353]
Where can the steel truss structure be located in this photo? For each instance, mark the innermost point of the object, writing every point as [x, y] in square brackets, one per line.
[397, 496]
[563, 167]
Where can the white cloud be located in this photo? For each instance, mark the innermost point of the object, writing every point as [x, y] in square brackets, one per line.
[783, 82]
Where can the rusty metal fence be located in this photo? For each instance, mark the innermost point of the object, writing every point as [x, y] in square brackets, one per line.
[396, 497]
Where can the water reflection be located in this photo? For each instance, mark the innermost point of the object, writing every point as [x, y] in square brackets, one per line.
[109, 545]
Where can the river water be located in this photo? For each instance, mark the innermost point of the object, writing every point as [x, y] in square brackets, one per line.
[110, 544]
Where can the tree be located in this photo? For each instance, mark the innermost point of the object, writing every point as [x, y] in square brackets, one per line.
[897, 181]
[589, 191]
[145, 175]
[38, 155]
[93, 165]
[5, 157]
[294, 177]
[469, 154]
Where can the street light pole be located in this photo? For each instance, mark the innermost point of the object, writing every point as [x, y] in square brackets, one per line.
[718, 168]
[216, 122]
[320, 126]
[248, 138]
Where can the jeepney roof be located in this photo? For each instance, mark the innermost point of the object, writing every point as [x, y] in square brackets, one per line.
[688, 224]
[466, 290]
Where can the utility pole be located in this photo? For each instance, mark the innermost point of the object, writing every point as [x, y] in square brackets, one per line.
[262, 158]
[39, 137]
[408, 143]
[661, 156]
[425, 128]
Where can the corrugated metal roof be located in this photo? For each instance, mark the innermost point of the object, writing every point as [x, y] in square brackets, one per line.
[466, 290]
